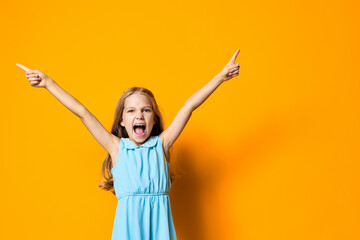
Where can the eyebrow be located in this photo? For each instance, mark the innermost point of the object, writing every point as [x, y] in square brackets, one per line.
[147, 106]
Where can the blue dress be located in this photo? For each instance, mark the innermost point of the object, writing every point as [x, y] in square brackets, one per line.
[142, 184]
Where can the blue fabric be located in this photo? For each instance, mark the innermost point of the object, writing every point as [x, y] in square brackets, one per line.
[142, 184]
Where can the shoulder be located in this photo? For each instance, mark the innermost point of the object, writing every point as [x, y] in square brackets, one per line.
[116, 139]
[162, 138]
[164, 144]
[115, 151]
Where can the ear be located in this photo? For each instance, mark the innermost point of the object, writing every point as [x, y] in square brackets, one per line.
[122, 124]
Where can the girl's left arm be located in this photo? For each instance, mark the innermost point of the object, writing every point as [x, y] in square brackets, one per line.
[170, 134]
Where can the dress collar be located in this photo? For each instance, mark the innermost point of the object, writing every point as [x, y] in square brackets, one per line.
[150, 142]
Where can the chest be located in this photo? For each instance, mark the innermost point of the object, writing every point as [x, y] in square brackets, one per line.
[115, 156]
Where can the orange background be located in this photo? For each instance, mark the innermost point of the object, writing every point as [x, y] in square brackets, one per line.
[272, 154]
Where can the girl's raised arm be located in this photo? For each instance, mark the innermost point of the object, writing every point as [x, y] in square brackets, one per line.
[170, 134]
[40, 79]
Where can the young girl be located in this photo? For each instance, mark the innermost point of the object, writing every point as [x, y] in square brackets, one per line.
[137, 164]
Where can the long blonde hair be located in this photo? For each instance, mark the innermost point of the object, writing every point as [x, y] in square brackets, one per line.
[108, 184]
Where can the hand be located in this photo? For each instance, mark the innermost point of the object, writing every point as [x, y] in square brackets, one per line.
[231, 69]
[36, 77]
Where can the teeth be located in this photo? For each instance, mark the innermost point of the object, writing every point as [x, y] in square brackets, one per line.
[139, 125]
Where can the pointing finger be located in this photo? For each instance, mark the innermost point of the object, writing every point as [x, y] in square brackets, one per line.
[232, 61]
[23, 67]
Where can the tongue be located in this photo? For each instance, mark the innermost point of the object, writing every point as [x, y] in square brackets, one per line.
[139, 130]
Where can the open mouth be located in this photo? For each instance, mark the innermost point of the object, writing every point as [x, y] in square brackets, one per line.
[139, 130]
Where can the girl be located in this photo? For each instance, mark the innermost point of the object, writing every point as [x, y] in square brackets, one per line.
[137, 164]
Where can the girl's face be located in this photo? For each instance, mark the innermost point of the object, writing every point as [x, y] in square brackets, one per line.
[138, 117]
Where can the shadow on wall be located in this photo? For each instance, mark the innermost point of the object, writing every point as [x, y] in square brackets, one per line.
[199, 167]
[204, 169]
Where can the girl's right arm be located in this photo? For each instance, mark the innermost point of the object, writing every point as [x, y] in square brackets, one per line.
[102, 136]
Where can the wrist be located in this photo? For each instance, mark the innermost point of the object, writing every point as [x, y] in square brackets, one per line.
[219, 78]
[49, 83]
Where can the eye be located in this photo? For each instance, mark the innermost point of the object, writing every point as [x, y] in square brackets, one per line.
[130, 110]
[147, 110]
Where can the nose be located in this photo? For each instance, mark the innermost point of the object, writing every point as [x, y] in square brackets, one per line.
[139, 115]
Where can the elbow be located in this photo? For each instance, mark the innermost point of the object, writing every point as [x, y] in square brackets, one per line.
[188, 107]
[83, 113]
